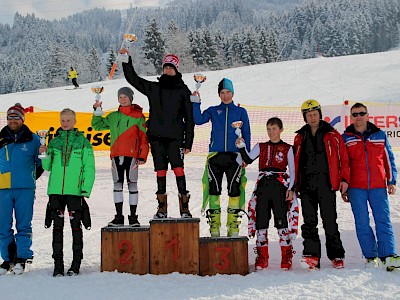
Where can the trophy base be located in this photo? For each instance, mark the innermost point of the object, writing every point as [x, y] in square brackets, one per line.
[98, 113]
[43, 156]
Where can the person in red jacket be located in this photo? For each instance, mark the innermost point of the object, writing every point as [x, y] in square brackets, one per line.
[322, 168]
[373, 175]
[129, 150]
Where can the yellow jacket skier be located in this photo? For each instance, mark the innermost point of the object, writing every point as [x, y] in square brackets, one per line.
[73, 75]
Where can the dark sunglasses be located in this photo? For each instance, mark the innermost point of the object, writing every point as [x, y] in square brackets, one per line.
[361, 113]
[13, 118]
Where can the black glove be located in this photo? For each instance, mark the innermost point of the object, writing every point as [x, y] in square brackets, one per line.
[86, 220]
[39, 172]
[48, 219]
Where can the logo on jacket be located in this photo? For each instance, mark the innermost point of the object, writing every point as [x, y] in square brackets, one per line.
[24, 148]
[279, 157]
[219, 111]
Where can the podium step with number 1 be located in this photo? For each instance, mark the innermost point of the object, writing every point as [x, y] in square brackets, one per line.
[174, 246]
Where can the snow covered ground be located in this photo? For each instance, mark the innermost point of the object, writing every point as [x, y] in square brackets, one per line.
[364, 78]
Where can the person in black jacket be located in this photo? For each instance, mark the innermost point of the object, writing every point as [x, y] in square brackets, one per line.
[170, 129]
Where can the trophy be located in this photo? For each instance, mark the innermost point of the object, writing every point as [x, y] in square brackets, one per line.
[129, 38]
[98, 90]
[42, 135]
[199, 78]
[237, 125]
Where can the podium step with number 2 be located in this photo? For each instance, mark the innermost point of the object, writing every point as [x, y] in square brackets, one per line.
[125, 249]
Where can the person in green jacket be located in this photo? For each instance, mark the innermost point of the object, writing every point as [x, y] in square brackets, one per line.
[71, 165]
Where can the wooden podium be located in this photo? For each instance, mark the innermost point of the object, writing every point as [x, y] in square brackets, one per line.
[125, 249]
[224, 255]
[174, 246]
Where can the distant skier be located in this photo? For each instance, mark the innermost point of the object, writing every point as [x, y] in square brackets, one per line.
[73, 75]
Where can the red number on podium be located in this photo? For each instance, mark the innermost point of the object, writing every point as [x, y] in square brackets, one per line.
[223, 257]
[174, 243]
[125, 248]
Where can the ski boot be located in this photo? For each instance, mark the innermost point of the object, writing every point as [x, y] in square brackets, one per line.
[262, 257]
[287, 256]
[214, 220]
[58, 268]
[75, 266]
[117, 221]
[184, 205]
[392, 263]
[372, 263]
[133, 221]
[232, 222]
[8, 265]
[310, 262]
[19, 267]
[162, 207]
[338, 263]
[5, 267]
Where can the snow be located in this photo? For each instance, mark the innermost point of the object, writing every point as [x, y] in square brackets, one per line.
[364, 78]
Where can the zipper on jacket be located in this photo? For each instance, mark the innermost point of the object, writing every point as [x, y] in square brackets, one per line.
[366, 160]
[7, 156]
[65, 163]
[226, 129]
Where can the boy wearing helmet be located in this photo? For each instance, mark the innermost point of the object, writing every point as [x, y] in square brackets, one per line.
[322, 168]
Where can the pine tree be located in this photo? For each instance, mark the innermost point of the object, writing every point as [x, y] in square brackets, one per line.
[57, 67]
[176, 42]
[154, 48]
[251, 51]
[94, 65]
[110, 60]
[211, 54]
[196, 47]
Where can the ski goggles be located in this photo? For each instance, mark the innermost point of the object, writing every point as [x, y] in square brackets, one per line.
[13, 118]
[361, 113]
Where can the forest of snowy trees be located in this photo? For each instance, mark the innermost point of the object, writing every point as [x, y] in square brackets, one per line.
[205, 34]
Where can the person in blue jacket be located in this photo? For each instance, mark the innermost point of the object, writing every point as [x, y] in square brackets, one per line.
[224, 157]
[19, 169]
[373, 176]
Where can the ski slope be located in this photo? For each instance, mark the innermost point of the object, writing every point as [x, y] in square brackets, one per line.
[364, 78]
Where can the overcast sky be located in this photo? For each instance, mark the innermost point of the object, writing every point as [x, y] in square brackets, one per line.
[56, 9]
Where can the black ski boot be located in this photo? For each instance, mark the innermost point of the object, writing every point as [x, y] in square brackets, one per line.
[75, 266]
[58, 268]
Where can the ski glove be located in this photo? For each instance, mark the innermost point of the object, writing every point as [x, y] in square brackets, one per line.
[48, 219]
[86, 219]
[195, 99]
[240, 143]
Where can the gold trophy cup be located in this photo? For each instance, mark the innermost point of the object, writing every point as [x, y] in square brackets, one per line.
[98, 90]
[199, 78]
[238, 125]
[129, 38]
[42, 135]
